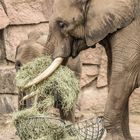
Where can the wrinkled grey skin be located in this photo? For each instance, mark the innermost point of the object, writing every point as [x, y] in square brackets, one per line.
[33, 48]
[116, 25]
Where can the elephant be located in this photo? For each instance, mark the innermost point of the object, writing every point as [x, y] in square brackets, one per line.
[29, 49]
[116, 25]
[34, 47]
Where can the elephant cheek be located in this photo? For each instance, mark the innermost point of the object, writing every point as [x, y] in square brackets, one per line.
[62, 50]
[78, 32]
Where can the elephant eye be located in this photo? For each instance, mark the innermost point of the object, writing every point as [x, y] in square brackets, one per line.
[18, 65]
[62, 24]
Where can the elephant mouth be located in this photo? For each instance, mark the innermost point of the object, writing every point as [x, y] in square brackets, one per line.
[44, 75]
[77, 46]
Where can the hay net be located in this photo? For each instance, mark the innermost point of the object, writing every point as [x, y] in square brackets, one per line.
[48, 128]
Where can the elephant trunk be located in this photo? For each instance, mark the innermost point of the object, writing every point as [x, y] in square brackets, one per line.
[44, 75]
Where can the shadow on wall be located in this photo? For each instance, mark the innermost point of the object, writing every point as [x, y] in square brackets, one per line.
[8, 104]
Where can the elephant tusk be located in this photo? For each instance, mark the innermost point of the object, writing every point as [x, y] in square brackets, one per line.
[44, 75]
[36, 99]
[31, 95]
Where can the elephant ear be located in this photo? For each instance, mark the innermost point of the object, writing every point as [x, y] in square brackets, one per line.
[106, 16]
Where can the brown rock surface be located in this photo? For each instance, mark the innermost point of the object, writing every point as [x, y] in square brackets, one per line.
[94, 66]
[92, 99]
[91, 56]
[4, 21]
[89, 73]
[7, 80]
[102, 76]
[14, 34]
[28, 11]
[8, 103]
[7, 129]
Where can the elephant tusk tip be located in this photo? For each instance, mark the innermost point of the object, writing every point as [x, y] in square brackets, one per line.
[28, 85]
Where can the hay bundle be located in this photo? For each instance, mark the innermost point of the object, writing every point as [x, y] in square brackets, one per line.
[45, 128]
[61, 87]
[42, 127]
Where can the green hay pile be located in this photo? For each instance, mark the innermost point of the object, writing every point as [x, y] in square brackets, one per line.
[35, 126]
[62, 84]
[62, 87]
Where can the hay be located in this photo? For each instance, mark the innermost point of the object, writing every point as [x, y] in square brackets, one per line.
[43, 127]
[23, 114]
[67, 138]
[60, 88]
[62, 85]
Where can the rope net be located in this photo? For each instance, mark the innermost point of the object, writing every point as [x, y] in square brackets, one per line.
[48, 128]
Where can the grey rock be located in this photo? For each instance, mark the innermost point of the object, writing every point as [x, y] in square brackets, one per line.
[4, 20]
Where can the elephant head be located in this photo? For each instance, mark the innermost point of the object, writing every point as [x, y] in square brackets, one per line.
[79, 24]
[26, 52]
[34, 47]
[29, 49]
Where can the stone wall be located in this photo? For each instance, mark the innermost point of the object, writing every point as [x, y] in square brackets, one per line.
[20, 17]
[17, 19]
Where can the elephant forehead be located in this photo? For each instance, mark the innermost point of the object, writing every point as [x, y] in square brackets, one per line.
[66, 10]
[62, 5]
[102, 6]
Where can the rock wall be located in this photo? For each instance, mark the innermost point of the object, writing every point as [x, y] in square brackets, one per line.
[17, 19]
[20, 17]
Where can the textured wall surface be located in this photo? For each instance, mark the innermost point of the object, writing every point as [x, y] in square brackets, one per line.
[4, 20]
[27, 11]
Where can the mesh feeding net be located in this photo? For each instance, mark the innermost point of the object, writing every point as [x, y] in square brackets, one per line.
[46, 128]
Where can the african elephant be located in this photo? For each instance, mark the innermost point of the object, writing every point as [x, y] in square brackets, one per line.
[116, 25]
[29, 49]
[33, 48]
